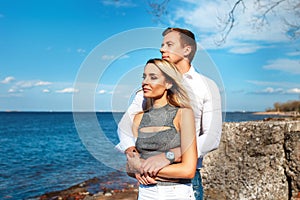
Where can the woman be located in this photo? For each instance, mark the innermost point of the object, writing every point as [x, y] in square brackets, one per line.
[167, 122]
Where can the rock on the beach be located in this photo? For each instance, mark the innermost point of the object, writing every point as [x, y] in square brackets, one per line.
[255, 160]
[108, 194]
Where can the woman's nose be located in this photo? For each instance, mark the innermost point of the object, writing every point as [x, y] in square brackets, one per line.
[145, 81]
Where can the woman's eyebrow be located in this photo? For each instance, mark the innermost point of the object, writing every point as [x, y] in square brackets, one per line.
[152, 74]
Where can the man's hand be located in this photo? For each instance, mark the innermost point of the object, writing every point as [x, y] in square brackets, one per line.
[152, 165]
[133, 162]
[130, 151]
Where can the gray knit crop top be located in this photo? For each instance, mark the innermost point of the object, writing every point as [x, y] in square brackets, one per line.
[153, 143]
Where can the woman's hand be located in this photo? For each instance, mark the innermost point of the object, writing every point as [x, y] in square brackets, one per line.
[134, 163]
[145, 180]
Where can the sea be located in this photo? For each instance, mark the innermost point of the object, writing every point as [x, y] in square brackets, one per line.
[42, 152]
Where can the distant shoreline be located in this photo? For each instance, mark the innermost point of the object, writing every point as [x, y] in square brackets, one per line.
[293, 113]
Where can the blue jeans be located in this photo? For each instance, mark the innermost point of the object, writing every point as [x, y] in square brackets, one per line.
[197, 185]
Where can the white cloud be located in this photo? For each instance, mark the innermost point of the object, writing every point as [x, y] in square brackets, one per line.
[15, 90]
[124, 57]
[271, 90]
[81, 50]
[31, 84]
[8, 79]
[67, 90]
[286, 65]
[112, 57]
[191, 1]
[11, 90]
[42, 83]
[294, 91]
[25, 84]
[295, 53]
[46, 90]
[202, 17]
[115, 92]
[108, 57]
[245, 49]
[118, 3]
[101, 91]
[206, 17]
[274, 84]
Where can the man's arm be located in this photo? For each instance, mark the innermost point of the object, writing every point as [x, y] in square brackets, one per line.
[211, 120]
[126, 138]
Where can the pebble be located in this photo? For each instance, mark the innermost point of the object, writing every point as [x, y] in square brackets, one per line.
[108, 194]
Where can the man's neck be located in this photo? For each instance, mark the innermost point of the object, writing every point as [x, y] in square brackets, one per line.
[183, 66]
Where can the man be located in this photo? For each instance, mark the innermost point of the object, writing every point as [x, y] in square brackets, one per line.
[179, 47]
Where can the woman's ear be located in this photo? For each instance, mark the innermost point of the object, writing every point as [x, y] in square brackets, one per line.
[169, 85]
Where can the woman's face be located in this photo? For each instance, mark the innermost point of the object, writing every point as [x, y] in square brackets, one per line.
[154, 82]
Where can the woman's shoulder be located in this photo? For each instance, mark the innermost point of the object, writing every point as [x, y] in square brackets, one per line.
[138, 117]
[185, 112]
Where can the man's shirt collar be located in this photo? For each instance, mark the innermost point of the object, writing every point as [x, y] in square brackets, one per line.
[190, 74]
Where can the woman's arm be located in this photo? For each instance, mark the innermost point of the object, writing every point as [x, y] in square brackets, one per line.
[133, 157]
[125, 124]
[187, 167]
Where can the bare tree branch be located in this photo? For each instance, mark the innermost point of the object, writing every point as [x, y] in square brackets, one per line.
[293, 27]
[263, 12]
[229, 22]
[158, 9]
[262, 19]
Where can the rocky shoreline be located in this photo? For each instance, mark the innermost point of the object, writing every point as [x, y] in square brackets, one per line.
[82, 191]
[261, 159]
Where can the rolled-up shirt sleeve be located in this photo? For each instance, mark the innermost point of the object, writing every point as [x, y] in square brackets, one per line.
[125, 125]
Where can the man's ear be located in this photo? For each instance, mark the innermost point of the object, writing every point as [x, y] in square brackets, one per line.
[187, 50]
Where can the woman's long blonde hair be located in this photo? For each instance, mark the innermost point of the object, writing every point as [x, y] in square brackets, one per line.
[176, 95]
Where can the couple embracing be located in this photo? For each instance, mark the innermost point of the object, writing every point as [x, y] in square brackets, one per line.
[172, 123]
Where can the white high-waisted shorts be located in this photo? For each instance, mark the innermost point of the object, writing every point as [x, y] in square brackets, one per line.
[163, 192]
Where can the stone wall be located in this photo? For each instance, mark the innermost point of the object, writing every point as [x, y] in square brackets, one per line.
[255, 160]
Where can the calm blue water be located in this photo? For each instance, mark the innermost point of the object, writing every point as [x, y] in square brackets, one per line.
[42, 152]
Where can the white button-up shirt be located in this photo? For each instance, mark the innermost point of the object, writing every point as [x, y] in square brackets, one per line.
[206, 103]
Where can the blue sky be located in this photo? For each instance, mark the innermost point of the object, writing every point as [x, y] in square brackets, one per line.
[44, 46]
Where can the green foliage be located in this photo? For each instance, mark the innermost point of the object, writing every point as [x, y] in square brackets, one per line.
[286, 107]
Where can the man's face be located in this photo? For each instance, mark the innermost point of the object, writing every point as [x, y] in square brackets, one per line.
[171, 48]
